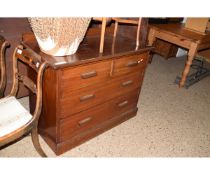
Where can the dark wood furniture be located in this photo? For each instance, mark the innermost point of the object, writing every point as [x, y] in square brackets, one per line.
[165, 49]
[88, 93]
[118, 21]
[12, 29]
[178, 35]
[3, 45]
[16, 121]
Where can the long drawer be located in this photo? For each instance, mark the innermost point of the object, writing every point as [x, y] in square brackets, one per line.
[91, 96]
[83, 121]
[129, 64]
[83, 76]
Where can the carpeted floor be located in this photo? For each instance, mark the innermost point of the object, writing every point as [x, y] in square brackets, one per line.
[171, 122]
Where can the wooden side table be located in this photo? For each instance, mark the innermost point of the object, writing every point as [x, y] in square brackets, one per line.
[177, 34]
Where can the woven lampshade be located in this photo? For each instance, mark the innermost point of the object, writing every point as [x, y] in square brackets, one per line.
[59, 36]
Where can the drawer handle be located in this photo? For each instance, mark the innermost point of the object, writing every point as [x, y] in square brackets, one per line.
[127, 83]
[87, 97]
[124, 103]
[88, 74]
[82, 122]
[134, 63]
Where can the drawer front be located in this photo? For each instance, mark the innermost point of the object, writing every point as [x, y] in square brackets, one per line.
[80, 123]
[91, 96]
[83, 76]
[129, 64]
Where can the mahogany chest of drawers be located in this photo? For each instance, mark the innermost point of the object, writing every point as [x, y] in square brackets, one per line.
[88, 93]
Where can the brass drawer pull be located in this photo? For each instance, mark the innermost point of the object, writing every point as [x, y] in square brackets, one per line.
[124, 103]
[89, 74]
[134, 63]
[82, 122]
[87, 97]
[127, 83]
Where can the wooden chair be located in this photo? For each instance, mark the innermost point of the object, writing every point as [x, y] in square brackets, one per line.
[128, 21]
[106, 20]
[3, 45]
[15, 120]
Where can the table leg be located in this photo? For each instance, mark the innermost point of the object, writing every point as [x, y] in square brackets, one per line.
[191, 54]
[151, 37]
[151, 41]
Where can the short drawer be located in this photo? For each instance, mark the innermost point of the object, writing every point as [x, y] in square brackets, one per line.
[82, 122]
[83, 76]
[91, 96]
[129, 64]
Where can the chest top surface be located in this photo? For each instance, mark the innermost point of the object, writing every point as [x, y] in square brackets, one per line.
[88, 50]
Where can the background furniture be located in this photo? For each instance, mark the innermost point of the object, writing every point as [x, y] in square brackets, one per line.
[128, 21]
[12, 30]
[178, 35]
[3, 45]
[106, 21]
[88, 93]
[163, 48]
[201, 25]
[15, 120]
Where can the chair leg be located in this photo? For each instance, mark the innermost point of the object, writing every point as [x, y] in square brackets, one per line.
[103, 28]
[115, 29]
[138, 33]
[35, 140]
